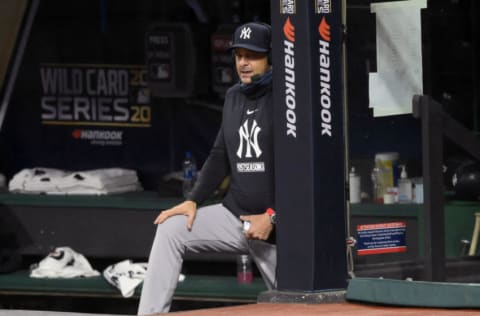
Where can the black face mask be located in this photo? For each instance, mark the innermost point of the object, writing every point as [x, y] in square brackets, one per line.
[258, 84]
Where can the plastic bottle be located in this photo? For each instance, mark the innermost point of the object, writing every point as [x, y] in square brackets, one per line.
[377, 186]
[244, 269]
[189, 173]
[418, 191]
[354, 185]
[405, 191]
[387, 171]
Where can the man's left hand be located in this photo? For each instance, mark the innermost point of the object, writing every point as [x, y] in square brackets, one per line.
[260, 226]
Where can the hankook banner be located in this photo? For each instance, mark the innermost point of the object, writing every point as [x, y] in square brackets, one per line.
[309, 144]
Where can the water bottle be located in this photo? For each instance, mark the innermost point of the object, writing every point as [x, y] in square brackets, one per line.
[244, 269]
[189, 173]
[377, 188]
[354, 186]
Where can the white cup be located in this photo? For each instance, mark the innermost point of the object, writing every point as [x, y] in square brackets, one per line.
[388, 198]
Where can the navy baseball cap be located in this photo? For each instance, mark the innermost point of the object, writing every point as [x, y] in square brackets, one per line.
[254, 36]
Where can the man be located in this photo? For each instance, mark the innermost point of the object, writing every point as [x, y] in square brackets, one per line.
[243, 149]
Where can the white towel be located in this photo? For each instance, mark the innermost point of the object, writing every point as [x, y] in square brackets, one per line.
[63, 262]
[91, 182]
[99, 178]
[21, 179]
[85, 190]
[126, 276]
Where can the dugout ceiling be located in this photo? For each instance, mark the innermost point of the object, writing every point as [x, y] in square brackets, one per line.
[53, 120]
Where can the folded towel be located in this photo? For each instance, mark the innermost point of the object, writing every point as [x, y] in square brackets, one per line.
[91, 182]
[44, 178]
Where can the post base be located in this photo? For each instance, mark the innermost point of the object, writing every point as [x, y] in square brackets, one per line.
[276, 296]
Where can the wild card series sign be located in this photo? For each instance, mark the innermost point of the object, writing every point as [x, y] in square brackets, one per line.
[95, 95]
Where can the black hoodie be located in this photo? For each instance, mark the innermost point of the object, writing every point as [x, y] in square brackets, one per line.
[243, 149]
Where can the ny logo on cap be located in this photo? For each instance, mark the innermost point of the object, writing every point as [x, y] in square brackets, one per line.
[246, 31]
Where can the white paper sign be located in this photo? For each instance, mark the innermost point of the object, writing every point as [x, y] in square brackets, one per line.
[399, 73]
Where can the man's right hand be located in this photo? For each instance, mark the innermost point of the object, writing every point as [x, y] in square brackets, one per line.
[187, 208]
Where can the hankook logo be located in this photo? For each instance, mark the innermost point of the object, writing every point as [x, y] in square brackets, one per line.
[289, 66]
[324, 30]
[99, 137]
[289, 30]
[325, 77]
[97, 134]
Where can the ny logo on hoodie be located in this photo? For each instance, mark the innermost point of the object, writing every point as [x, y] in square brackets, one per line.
[249, 140]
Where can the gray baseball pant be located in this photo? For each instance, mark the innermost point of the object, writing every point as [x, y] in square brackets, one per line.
[215, 229]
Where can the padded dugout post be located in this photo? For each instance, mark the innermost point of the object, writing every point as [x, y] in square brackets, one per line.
[309, 145]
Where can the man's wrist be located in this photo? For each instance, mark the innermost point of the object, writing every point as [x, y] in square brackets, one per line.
[191, 201]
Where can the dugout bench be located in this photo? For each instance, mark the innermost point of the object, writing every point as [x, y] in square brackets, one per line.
[110, 229]
[118, 227]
